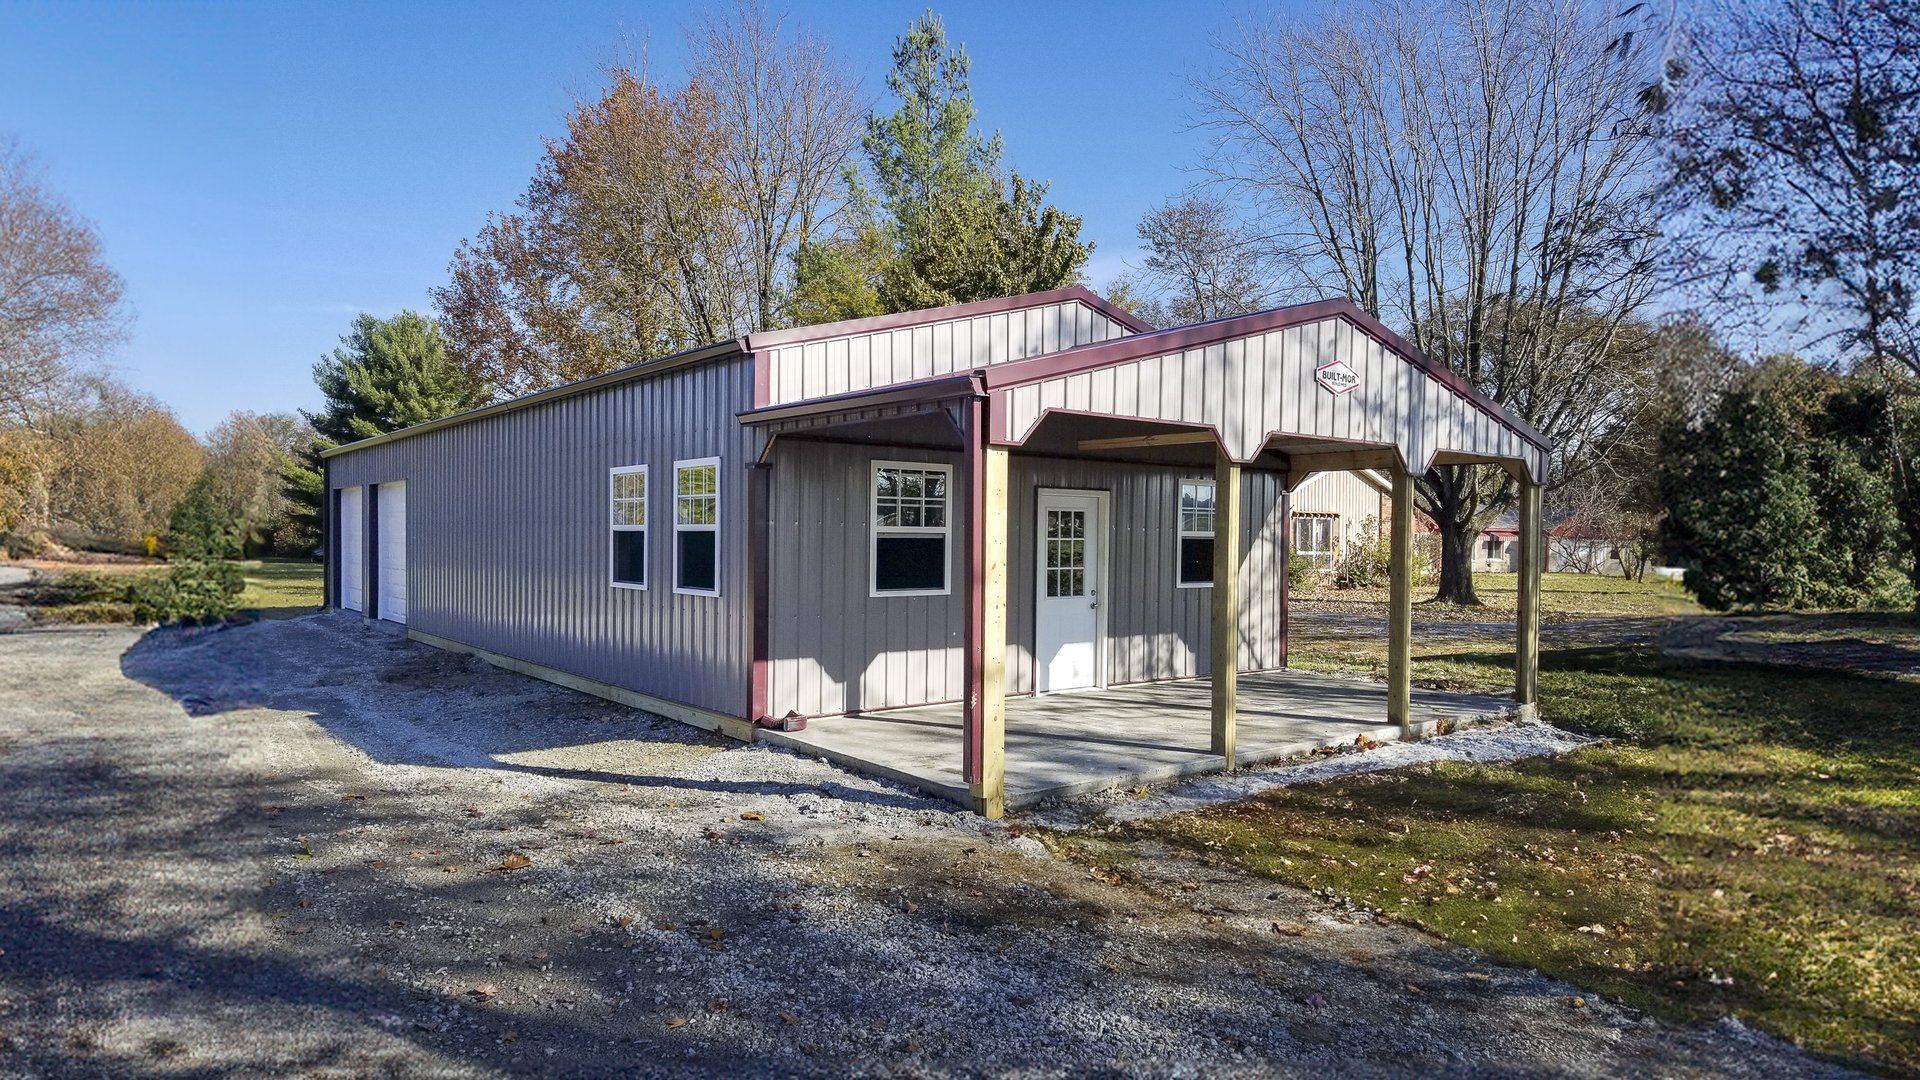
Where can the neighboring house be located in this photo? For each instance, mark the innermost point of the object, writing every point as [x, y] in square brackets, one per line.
[1331, 510]
[1010, 497]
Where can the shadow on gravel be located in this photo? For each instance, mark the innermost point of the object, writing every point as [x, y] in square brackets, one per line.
[404, 703]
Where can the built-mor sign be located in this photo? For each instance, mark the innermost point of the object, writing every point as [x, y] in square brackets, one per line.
[1338, 377]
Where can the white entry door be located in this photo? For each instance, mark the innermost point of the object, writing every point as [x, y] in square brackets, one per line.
[1069, 619]
[392, 524]
[352, 551]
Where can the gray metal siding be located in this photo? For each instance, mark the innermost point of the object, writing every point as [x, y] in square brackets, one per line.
[1253, 387]
[834, 648]
[509, 545]
[883, 357]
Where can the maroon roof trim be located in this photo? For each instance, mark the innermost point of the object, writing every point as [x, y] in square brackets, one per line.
[794, 335]
[1161, 342]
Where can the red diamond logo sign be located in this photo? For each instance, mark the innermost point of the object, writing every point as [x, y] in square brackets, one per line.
[1338, 377]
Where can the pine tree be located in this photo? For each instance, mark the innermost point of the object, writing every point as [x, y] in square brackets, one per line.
[388, 374]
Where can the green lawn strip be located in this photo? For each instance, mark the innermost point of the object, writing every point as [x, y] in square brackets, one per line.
[1562, 597]
[281, 587]
[1747, 849]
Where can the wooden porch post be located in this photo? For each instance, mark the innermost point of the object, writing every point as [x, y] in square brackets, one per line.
[1400, 606]
[1526, 653]
[1226, 601]
[985, 721]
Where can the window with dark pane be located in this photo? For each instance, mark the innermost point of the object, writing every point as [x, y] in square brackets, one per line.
[696, 526]
[629, 526]
[1196, 533]
[910, 527]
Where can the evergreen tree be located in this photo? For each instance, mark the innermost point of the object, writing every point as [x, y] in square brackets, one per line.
[388, 374]
[1771, 503]
[199, 528]
[944, 223]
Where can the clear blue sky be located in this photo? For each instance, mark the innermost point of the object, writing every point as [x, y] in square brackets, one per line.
[261, 172]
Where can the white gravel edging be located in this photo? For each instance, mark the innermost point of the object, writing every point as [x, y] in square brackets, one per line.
[1484, 745]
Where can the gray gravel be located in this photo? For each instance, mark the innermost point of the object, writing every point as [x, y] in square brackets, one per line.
[314, 848]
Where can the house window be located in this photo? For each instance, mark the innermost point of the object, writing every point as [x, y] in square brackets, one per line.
[1196, 534]
[696, 526]
[628, 491]
[1494, 547]
[1313, 538]
[911, 524]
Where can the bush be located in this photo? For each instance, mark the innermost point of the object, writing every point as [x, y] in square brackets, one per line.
[199, 590]
[97, 611]
[199, 530]
[1367, 563]
[1300, 571]
[77, 587]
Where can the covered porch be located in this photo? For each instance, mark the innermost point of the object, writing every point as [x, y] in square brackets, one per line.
[1067, 744]
[1273, 397]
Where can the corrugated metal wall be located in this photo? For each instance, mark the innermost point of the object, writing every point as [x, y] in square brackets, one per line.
[508, 539]
[861, 361]
[1251, 387]
[836, 649]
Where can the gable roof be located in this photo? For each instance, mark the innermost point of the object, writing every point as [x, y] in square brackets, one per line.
[1199, 335]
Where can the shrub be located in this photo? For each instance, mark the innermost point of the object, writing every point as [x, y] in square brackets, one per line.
[1300, 570]
[1367, 563]
[199, 590]
[198, 529]
[97, 611]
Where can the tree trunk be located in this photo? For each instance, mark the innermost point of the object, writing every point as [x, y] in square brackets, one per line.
[1448, 488]
[1456, 562]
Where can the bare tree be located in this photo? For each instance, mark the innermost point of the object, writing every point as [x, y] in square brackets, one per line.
[1481, 175]
[1201, 264]
[60, 306]
[788, 117]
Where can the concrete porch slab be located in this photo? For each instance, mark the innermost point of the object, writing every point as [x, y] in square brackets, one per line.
[1062, 745]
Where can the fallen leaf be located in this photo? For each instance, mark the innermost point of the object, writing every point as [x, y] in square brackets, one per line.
[379, 864]
[351, 796]
[625, 921]
[789, 1018]
[453, 869]
[483, 992]
[513, 861]
[1291, 929]
[676, 1021]
[752, 815]
[305, 902]
[305, 851]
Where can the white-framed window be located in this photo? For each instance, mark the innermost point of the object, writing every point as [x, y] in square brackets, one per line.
[912, 527]
[1195, 569]
[627, 545]
[1313, 538]
[696, 526]
[1496, 547]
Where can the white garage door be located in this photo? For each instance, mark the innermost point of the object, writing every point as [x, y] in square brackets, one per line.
[352, 553]
[393, 551]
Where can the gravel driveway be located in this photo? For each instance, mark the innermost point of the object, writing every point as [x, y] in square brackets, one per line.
[314, 848]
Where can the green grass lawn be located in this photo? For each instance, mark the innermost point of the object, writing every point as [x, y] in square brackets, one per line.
[281, 588]
[1747, 847]
[1562, 597]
